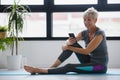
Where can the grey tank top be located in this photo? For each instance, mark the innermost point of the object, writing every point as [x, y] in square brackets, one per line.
[100, 54]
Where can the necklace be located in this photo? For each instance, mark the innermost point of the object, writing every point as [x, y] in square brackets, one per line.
[92, 34]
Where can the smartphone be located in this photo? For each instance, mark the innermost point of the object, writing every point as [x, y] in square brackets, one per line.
[71, 35]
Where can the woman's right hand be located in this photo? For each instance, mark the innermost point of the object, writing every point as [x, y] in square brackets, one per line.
[71, 41]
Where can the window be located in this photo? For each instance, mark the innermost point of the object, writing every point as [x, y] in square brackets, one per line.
[63, 23]
[35, 24]
[23, 2]
[74, 2]
[3, 19]
[113, 1]
[54, 19]
[110, 23]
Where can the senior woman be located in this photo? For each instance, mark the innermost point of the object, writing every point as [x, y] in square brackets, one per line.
[93, 58]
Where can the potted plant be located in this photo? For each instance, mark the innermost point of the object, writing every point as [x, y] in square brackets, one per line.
[3, 31]
[4, 42]
[15, 26]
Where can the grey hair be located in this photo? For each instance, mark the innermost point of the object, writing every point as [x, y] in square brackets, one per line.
[91, 12]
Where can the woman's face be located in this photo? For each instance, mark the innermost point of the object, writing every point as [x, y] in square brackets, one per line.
[89, 22]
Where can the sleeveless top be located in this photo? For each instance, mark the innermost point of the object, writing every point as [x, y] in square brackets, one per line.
[100, 54]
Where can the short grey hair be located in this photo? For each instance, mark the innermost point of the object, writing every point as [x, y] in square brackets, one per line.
[91, 12]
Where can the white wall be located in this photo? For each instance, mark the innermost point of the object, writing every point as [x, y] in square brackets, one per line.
[44, 53]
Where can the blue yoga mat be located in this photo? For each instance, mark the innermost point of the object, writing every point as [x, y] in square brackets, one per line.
[13, 72]
[23, 72]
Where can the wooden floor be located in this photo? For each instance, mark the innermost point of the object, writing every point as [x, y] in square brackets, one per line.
[112, 74]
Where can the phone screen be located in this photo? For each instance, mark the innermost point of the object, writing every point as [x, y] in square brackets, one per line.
[71, 35]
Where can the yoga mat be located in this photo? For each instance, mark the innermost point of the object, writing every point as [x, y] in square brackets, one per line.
[13, 72]
[113, 72]
[23, 72]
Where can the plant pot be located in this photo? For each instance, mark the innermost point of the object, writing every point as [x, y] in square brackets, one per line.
[2, 35]
[14, 62]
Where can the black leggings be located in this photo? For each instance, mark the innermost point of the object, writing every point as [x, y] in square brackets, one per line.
[85, 67]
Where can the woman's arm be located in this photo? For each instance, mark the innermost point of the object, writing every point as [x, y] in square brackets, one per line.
[79, 36]
[91, 46]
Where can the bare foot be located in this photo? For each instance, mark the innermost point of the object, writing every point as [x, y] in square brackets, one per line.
[31, 69]
[35, 70]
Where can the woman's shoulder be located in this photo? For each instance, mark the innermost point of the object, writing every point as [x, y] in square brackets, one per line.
[100, 31]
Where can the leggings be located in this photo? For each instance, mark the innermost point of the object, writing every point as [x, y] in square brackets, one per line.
[85, 67]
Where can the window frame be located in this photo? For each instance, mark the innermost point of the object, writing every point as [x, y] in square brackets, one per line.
[49, 7]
